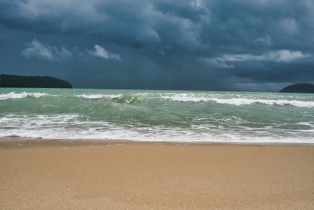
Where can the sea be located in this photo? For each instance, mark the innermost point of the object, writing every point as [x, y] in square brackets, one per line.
[151, 115]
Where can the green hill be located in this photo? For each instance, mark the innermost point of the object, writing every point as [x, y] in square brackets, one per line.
[32, 82]
[299, 88]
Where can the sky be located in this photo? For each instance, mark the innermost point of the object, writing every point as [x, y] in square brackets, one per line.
[216, 45]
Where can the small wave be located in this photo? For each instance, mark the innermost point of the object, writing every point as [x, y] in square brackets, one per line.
[119, 98]
[306, 124]
[14, 95]
[244, 101]
[186, 98]
[98, 96]
[74, 126]
[238, 101]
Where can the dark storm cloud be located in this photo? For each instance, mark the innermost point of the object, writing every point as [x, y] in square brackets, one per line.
[194, 44]
[41, 50]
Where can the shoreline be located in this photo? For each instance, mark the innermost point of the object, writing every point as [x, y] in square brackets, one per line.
[52, 174]
[4, 141]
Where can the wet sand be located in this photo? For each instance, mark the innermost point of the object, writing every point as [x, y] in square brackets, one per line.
[41, 174]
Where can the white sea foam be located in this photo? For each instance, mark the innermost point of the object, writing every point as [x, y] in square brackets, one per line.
[73, 126]
[158, 116]
[238, 101]
[184, 97]
[97, 96]
[244, 101]
[14, 95]
[305, 123]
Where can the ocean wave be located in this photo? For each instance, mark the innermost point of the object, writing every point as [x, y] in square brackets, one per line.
[38, 119]
[186, 98]
[98, 96]
[244, 101]
[14, 95]
[238, 101]
[119, 98]
[75, 126]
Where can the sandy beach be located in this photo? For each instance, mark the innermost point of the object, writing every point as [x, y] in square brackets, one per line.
[41, 174]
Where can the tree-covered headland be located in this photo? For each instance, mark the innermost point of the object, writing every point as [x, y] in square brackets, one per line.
[299, 88]
[32, 81]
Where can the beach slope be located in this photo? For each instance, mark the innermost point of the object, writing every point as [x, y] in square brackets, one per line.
[132, 175]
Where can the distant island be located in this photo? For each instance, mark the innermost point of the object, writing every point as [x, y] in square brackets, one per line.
[299, 88]
[32, 82]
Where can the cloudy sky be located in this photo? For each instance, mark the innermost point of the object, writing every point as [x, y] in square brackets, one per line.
[260, 45]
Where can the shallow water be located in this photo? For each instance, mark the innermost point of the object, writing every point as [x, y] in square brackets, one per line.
[145, 115]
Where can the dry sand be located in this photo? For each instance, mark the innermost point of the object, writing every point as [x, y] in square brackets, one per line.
[126, 175]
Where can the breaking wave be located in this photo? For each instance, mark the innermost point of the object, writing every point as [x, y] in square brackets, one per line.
[14, 95]
[74, 126]
[189, 116]
[98, 96]
[238, 101]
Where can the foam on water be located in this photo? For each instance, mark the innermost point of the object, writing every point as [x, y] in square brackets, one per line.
[237, 101]
[78, 127]
[157, 115]
[14, 95]
[230, 99]
[186, 98]
[244, 101]
[98, 96]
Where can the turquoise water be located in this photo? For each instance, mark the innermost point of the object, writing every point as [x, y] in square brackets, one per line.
[145, 115]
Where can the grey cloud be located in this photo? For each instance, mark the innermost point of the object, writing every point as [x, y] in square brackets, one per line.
[201, 44]
[198, 25]
[45, 51]
[99, 51]
[265, 40]
[289, 25]
[130, 22]
[275, 56]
